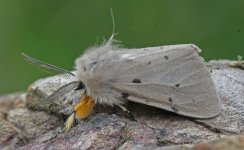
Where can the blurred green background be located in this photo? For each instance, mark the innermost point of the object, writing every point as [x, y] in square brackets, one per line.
[58, 31]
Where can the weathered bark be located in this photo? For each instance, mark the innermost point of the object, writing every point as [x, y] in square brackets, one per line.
[26, 123]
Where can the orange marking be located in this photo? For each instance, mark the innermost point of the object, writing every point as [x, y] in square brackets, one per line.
[85, 107]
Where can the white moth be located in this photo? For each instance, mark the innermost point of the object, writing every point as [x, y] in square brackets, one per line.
[172, 77]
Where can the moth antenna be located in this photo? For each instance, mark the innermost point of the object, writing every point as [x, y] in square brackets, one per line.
[111, 39]
[72, 86]
[112, 16]
[46, 67]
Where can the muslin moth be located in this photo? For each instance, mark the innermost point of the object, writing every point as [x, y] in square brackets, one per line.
[172, 78]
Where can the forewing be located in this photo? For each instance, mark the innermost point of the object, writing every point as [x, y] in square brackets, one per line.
[170, 77]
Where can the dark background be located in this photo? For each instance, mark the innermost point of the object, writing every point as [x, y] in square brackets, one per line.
[58, 31]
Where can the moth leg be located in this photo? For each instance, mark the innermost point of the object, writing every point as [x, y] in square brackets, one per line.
[81, 110]
[69, 122]
[128, 114]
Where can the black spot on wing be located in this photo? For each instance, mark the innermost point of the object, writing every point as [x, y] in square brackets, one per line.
[166, 57]
[149, 62]
[174, 109]
[170, 100]
[125, 95]
[177, 85]
[136, 81]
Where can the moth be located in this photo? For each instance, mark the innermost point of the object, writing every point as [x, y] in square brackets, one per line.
[172, 78]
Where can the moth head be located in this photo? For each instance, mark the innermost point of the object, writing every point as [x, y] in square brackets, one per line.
[92, 57]
[84, 64]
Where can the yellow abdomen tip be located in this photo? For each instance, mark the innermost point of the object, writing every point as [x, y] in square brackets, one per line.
[85, 107]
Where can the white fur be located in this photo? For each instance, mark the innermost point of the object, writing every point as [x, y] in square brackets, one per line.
[96, 82]
[170, 77]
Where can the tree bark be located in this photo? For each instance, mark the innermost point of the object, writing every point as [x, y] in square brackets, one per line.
[27, 123]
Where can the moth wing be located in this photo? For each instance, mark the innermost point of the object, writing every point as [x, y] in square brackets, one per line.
[170, 77]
